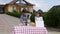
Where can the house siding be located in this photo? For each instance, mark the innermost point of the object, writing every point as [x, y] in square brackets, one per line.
[18, 8]
[9, 8]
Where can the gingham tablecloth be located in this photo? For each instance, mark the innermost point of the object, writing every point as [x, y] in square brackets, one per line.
[29, 30]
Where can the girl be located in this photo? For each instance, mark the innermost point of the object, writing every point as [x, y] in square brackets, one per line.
[39, 20]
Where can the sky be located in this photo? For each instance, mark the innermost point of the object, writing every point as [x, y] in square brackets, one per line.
[44, 5]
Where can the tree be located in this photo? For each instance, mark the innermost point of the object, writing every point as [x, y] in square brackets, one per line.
[53, 17]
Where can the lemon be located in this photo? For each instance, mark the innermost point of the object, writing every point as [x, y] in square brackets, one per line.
[32, 23]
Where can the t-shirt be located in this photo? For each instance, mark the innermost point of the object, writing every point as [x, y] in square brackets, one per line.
[39, 21]
[24, 19]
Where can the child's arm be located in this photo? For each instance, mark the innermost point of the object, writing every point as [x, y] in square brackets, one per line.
[42, 21]
[21, 19]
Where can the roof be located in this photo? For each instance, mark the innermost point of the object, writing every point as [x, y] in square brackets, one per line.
[14, 1]
[2, 5]
[57, 6]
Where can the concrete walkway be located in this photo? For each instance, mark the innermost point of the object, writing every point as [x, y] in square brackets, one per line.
[6, 23]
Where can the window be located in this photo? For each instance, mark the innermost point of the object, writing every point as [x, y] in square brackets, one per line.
[21, 9]
[17, 2]
[14, 8]
[21, 2]
[24, 8]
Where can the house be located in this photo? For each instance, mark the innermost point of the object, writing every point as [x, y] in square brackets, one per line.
[17, 5]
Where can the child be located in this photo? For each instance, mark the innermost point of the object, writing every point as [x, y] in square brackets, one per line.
[24, 17]
[39, 20]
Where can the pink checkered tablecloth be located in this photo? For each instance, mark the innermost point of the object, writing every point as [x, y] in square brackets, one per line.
[29, 30]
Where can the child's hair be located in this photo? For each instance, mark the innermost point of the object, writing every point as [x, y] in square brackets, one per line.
[24, 11]
[38, 13]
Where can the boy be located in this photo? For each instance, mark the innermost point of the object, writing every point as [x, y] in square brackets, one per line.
[24, 17]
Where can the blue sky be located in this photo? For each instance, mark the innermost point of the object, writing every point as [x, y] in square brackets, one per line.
[44, 5]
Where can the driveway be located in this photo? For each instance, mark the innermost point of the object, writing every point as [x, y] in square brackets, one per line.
[53, 30]
[7, 22]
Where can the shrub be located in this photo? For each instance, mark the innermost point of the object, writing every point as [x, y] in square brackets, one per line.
[52, 18]
[32, 18]
[15, 14]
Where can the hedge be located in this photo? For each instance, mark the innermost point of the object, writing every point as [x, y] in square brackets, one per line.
[15, 14]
